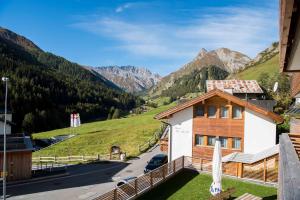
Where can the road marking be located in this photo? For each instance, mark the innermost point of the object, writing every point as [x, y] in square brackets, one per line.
[65, 177]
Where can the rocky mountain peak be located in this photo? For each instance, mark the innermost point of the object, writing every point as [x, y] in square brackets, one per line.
[130, 78]
[233, 60]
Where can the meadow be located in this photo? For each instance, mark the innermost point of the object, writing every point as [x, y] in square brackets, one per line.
[97, 137]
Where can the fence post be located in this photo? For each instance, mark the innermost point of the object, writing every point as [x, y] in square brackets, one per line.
[182, 162]
[55, 158]
[98, 156]
[116, 194]
[265, 170]
[136, 187]
[163, 172]
[151, 179]
[240, 170]
[173, 166]
[201, 162]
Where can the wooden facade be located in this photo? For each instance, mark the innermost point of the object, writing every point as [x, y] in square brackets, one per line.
[223, 127]
[18, 165]
[295, 84]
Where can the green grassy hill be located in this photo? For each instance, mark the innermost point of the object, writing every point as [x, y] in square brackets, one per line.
[270, 67]
[97, 137]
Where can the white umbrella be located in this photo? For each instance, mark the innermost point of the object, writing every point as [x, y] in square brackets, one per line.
[216, 186]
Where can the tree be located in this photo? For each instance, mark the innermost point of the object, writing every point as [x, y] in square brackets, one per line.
[116, 114]
[28, 123]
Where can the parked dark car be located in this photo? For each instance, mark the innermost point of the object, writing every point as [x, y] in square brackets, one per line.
[155, 162]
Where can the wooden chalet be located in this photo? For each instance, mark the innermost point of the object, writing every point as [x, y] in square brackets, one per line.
[289, 50]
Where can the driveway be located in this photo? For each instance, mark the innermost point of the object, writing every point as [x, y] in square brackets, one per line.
[83, 181]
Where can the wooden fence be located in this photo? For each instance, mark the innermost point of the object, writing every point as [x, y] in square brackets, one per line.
[144, 183]
[151, 142]
[264, 170]
[69, 159]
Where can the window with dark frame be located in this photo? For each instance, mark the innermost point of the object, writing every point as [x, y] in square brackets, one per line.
[224, 112]
[223, 141]
[236, 143]
[211, 140]
[199, 111]
[212, 111]
[237, 112]
[199, 140]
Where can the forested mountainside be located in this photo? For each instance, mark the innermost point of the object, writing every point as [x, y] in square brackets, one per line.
[130, 78]
[194, 82]
[44, 88]
[226, 60]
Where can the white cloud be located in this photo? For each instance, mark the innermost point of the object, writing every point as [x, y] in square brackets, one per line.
[123, 7]
[248, 30]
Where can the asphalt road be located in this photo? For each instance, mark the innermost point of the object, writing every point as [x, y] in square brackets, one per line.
[83, 182]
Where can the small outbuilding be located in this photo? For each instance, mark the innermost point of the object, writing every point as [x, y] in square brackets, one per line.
[18, 157]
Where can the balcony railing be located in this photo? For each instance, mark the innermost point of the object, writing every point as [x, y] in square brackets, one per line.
[289, 167]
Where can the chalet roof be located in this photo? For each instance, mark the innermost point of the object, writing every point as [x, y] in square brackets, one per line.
[237, 86]
[251, 158]
[225, 95]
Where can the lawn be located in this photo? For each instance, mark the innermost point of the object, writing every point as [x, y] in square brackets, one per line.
[252, 73]
[97, 137]
[190, 185]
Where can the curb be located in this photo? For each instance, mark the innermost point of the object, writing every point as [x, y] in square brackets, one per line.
[32, 180]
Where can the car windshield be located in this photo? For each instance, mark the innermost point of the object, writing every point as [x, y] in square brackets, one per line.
[155, 161]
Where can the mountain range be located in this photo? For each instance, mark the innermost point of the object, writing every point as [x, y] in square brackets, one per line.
[44, 88]
[129, 78]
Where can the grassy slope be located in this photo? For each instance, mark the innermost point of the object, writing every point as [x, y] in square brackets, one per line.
[271, 67]
[97, 137]
[190, 186]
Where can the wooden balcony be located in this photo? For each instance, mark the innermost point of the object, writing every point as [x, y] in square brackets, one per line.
[289, 167]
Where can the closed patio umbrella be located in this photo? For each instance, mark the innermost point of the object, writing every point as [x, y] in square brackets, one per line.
[216, 186]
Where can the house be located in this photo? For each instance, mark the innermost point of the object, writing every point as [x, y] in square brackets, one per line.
[248, 90]
[18, 151]
[9, 122]
[244, 89]
[240, 125]
[290, 54]
[19, 157]
[289, 58]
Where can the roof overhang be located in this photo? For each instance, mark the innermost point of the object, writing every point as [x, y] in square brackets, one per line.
[168, 113]
[290, 36]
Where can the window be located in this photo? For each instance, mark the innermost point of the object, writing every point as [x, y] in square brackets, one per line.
[236, 143]
[200, 111]
[223, 141]
[237, 112]
[224, 112]
[212, 111]
[199, 140]
[211, 140]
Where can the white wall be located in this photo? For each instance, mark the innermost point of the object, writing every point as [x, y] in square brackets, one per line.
[182, 133]
[260, 132]
[8, 127]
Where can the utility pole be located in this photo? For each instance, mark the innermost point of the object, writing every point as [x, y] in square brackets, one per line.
[4, 79]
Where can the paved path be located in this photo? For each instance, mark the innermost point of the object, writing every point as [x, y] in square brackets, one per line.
[83, 182]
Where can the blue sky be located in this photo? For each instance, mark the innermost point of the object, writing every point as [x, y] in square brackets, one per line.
[159, 35]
